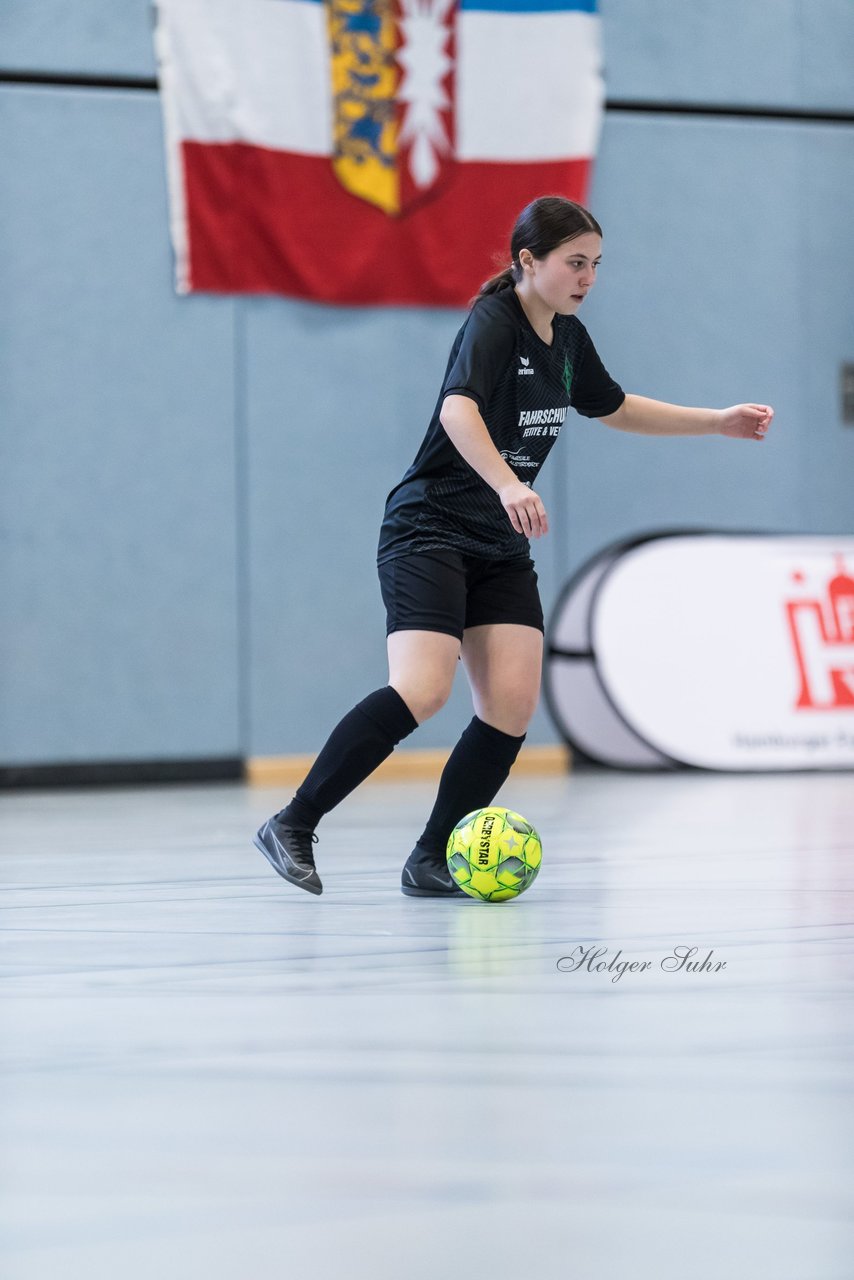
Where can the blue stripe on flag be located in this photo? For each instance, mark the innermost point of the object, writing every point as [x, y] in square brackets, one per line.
[529, 6]
[521, 6]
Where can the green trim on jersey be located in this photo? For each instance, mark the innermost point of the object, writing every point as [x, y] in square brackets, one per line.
[567, 374]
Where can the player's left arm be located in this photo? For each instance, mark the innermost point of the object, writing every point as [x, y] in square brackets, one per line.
[656, 418]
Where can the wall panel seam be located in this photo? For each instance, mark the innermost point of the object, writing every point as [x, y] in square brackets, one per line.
[635, 106]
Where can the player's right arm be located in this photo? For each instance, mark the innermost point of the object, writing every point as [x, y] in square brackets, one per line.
[469, 435]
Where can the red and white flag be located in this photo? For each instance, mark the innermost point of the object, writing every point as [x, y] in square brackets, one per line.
[369, 151]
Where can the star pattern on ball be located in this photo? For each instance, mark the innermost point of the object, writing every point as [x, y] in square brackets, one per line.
[494, 854]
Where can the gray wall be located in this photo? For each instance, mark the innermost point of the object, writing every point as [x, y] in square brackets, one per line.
[191, 488]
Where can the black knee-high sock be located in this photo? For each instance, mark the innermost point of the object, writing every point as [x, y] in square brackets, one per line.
[356, 746]
[475, 771]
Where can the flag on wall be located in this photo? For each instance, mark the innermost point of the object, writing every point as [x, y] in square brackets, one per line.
[369, 151]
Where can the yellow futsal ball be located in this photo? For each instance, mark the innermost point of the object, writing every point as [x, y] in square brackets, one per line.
[494, 854]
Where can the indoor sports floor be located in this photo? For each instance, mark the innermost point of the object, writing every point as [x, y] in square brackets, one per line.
[209, 1074]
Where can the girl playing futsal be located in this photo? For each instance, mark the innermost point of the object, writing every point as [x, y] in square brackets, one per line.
[454, 559]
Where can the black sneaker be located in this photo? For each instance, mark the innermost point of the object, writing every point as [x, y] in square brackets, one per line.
[426, 875]
[288, 851]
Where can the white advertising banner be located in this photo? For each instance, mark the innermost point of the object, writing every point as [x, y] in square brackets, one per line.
[721, 651]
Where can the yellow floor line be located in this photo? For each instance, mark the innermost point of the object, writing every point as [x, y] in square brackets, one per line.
[402, 766]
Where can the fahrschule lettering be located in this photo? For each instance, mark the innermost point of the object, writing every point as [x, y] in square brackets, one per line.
[541, 417]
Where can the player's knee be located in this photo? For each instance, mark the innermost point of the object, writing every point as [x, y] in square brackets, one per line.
[515, 725]
[526, 711]
[425, 701]
[511, 715]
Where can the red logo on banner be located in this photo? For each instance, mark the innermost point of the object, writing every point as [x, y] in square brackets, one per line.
[822, 633]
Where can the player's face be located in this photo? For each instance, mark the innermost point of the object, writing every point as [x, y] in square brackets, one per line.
[565, 276]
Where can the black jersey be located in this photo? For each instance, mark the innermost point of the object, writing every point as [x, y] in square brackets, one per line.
[523, 389]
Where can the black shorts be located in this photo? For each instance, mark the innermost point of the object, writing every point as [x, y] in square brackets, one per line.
[447, 591]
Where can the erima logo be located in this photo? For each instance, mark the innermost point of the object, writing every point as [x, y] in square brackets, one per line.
[525, 362]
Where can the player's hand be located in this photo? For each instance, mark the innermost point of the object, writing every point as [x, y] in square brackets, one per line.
[746, 421]
[525, 509]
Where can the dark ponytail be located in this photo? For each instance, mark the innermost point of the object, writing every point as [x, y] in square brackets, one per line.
[542, 225]
[504, 280]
